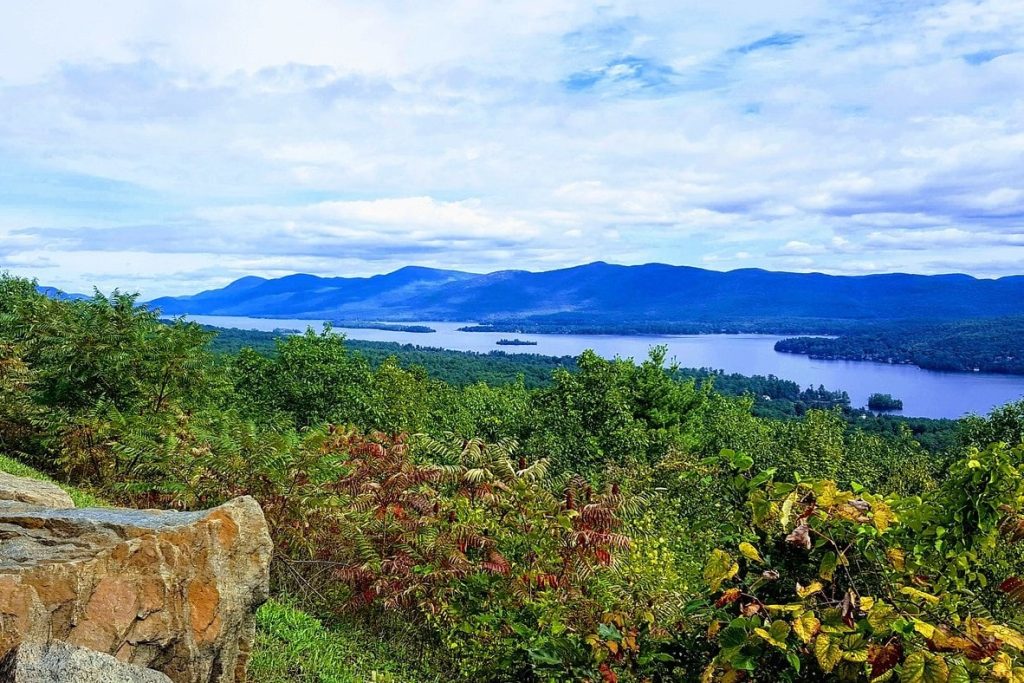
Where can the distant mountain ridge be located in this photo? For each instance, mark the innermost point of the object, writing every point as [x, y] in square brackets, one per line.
[603, 293]
[60, 294]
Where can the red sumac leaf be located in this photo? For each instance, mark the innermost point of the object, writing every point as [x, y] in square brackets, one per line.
[884, 657]
[728, 597]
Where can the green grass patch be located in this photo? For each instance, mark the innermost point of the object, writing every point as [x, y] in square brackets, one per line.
[83, 499]
[292, 646]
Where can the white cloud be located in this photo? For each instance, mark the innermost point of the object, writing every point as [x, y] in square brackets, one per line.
[795, 247]
[213, 139]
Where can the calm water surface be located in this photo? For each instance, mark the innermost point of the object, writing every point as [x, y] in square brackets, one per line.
[925, 393]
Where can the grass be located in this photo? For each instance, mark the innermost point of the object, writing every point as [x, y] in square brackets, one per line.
[82, 499]
[292, 646]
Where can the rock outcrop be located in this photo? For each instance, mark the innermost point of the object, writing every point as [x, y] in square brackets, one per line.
[33, 492]
[171, 591]
[59, 662]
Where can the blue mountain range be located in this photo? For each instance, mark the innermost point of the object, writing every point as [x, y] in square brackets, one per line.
[602, 292]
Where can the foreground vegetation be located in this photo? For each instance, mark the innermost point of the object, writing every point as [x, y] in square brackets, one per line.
[619, 522]
[290, 644]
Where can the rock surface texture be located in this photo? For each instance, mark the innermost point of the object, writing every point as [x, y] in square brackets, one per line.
[33, 492]
[171, 591]
[59, 662]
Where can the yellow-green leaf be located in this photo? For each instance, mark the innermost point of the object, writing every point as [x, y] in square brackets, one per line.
[774, 636]
[806, 626]
[858, 655]
[794, 607]
[1009, 636]
[809, 590]
[750, 552]
[1003, 667]
[919, 594]
[720, 567]
[826, 493]
[827, 652]
[787, 509]
[925, 629]
[881, 617]
[882, 515]
[923, 667]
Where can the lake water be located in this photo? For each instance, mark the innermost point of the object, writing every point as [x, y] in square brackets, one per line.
[925, 393]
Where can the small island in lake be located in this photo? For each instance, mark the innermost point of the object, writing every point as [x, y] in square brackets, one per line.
[884, 402]
[515, 342]
[388, 327]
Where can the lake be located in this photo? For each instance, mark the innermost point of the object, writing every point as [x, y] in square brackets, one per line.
[925, 393]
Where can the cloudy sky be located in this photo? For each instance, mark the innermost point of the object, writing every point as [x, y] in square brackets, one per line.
[168, 147]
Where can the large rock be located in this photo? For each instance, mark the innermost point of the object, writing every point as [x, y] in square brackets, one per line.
[170, 591]
[59, 662]
[33, 492]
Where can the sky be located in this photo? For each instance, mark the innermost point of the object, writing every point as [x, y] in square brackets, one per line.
[168, 147]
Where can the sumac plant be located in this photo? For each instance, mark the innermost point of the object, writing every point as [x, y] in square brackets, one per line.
[846, 585]
[508, 565]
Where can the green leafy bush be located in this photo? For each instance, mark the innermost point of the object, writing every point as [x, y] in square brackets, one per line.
[857, 586]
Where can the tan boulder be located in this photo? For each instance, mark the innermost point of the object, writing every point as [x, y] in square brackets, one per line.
[170, 591]
[33, 492]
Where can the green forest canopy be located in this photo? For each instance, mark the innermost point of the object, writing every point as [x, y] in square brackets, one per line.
[617, 522]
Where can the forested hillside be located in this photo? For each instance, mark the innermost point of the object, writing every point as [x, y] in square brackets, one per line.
[970, 345]
[617, 522]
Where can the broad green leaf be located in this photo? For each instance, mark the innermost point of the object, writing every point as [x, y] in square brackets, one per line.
[761, 507]
[732, 637]
[959, 674]
[857, 655]
[832, 621]
[828, 566]
[762, 478]
[779, 629]
[741, 461]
